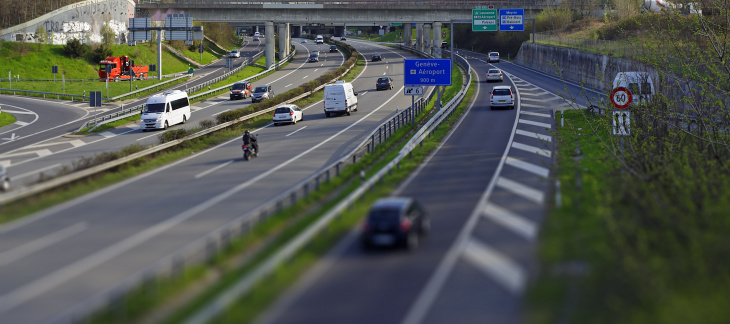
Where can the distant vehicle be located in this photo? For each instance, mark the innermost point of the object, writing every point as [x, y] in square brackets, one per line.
[444, 45]
[122, 67]
[287, 114]
[304, 40]
[257, 34]
[502, 97]
[313, 57]
[165, 110]
[256, 38]
[638, 83]
[343, 38]
[319, 39]
[240, 90]
[376, 57]
[235, 53]
[494, 75]
[339, 98]
[4, 179]
[261, 93]
[333, 48]
[384, 83]
[493, 57]
[395, 221]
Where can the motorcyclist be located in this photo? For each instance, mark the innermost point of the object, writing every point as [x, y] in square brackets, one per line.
[250, 139]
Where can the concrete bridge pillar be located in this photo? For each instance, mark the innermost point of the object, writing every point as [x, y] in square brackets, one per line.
[282, 41]
[419, 37]
[269, 51]
[288, 39]
[427, 38]
[407, 41]
[437, 39]
[256, 29]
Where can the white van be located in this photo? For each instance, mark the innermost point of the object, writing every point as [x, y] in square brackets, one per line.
[339, 98]
[639, 84]
[167, 109]
[319, 40]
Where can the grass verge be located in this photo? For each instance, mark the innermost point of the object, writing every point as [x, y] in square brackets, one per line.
[6, 119]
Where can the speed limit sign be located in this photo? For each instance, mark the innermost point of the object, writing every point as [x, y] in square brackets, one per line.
[621, 97]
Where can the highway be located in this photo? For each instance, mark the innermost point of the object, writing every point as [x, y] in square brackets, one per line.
[55, 260]
[486, 190]
[48, 119]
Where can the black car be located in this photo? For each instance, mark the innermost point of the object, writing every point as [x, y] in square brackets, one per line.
[376, 57]
[333, 48]
[343, 38]
[384, 83]
[395, 221]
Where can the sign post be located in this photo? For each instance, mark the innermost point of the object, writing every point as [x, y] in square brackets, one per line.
[484, 20]
[511, 19]
[621, 99]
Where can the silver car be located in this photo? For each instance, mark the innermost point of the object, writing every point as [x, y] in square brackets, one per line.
[261, 93]
[4, 179]
[235, 53]
[494, 75]
[502, 97]
[493, 57]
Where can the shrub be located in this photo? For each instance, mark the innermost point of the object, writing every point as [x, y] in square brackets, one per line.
[74, 48]
[172, 135]
[205, 124]
[101, 53]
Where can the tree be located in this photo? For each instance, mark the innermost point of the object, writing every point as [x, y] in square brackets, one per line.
[41, 36]
[107, 35]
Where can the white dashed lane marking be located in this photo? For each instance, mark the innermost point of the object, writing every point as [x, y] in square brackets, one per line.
[535, 114]
[516, 223]
[531, 149]
[495, 265]
[546, 138]
[521, 190]
[529, 167]
[534, 123]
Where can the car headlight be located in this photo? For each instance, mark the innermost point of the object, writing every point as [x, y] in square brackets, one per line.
[159, 117]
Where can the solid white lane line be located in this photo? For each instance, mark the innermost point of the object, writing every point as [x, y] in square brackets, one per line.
[532, 149]
[52, 280]
[535, 114]
[534, 123]
[518, 224]
[148, 136]
[26, 249]
[495, 265]
[35, 172]
[20, 123]
[288, 85]
[521, 190]
[13, 112]
[292, 133]
[218, 113]
[529, 167]
[534, 135]
[204, 173]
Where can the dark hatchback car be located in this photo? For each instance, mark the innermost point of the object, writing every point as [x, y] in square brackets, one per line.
[395, 221]
[376, 57]
[333, 48]
[384, 83]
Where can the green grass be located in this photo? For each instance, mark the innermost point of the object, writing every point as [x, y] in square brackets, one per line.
[107, 126]
[6, 119]
[83, 87]
[35, 63]
[395, 37]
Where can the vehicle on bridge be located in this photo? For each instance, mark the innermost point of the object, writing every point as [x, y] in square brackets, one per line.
[165, 110]
[339, 98]
[122, 68]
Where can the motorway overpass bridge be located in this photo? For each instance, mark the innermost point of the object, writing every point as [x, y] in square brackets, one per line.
[427, 15]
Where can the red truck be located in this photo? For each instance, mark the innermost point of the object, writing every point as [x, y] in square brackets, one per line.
[121, 66]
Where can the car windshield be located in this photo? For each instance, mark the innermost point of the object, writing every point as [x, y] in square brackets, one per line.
[382, 79]
[493, 54]
[281, 110]
[501, 92]
[384, 215]
[261, 89]
[239, 86]
[154, 108]
[376, 55]
[234, 51]
[493, 71]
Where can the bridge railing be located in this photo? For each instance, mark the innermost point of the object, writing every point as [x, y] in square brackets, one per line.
[527, 4]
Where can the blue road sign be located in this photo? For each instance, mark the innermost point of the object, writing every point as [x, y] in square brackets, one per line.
[433, 72]
[511, 19]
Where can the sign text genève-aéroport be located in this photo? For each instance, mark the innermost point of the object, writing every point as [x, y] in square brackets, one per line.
[433, 72]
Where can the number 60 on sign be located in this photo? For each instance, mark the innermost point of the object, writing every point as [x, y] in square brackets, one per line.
[621, 97]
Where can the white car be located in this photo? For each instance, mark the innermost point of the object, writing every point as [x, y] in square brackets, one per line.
[502, 97]
[493, 57]
[494, 75]
[4, 179]
[235, 53]
[304, 40]
[287, 114]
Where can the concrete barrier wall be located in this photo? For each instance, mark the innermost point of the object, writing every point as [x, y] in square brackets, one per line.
[82, 20]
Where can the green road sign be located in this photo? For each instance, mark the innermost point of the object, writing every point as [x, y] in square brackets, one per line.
[484, 20]
[396, 24]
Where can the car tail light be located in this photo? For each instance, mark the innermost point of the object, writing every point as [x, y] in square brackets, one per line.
[500, 73]
[492, 95]
[274, 114]
[405, 225]
[510, 95]
[291, 113]
[243, 146]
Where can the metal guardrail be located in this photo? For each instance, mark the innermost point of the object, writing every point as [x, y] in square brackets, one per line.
[286, 252]
[123, 113]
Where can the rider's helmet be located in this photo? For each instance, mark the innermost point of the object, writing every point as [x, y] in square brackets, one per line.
[246, 132]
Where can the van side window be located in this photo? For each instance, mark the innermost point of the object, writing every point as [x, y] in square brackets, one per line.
[180, 103]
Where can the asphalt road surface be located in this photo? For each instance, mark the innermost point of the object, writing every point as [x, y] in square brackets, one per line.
[56, 260]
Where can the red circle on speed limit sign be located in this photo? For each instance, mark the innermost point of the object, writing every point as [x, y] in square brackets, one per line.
[621, 97]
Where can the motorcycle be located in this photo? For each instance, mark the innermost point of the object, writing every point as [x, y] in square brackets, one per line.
[248, 152]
